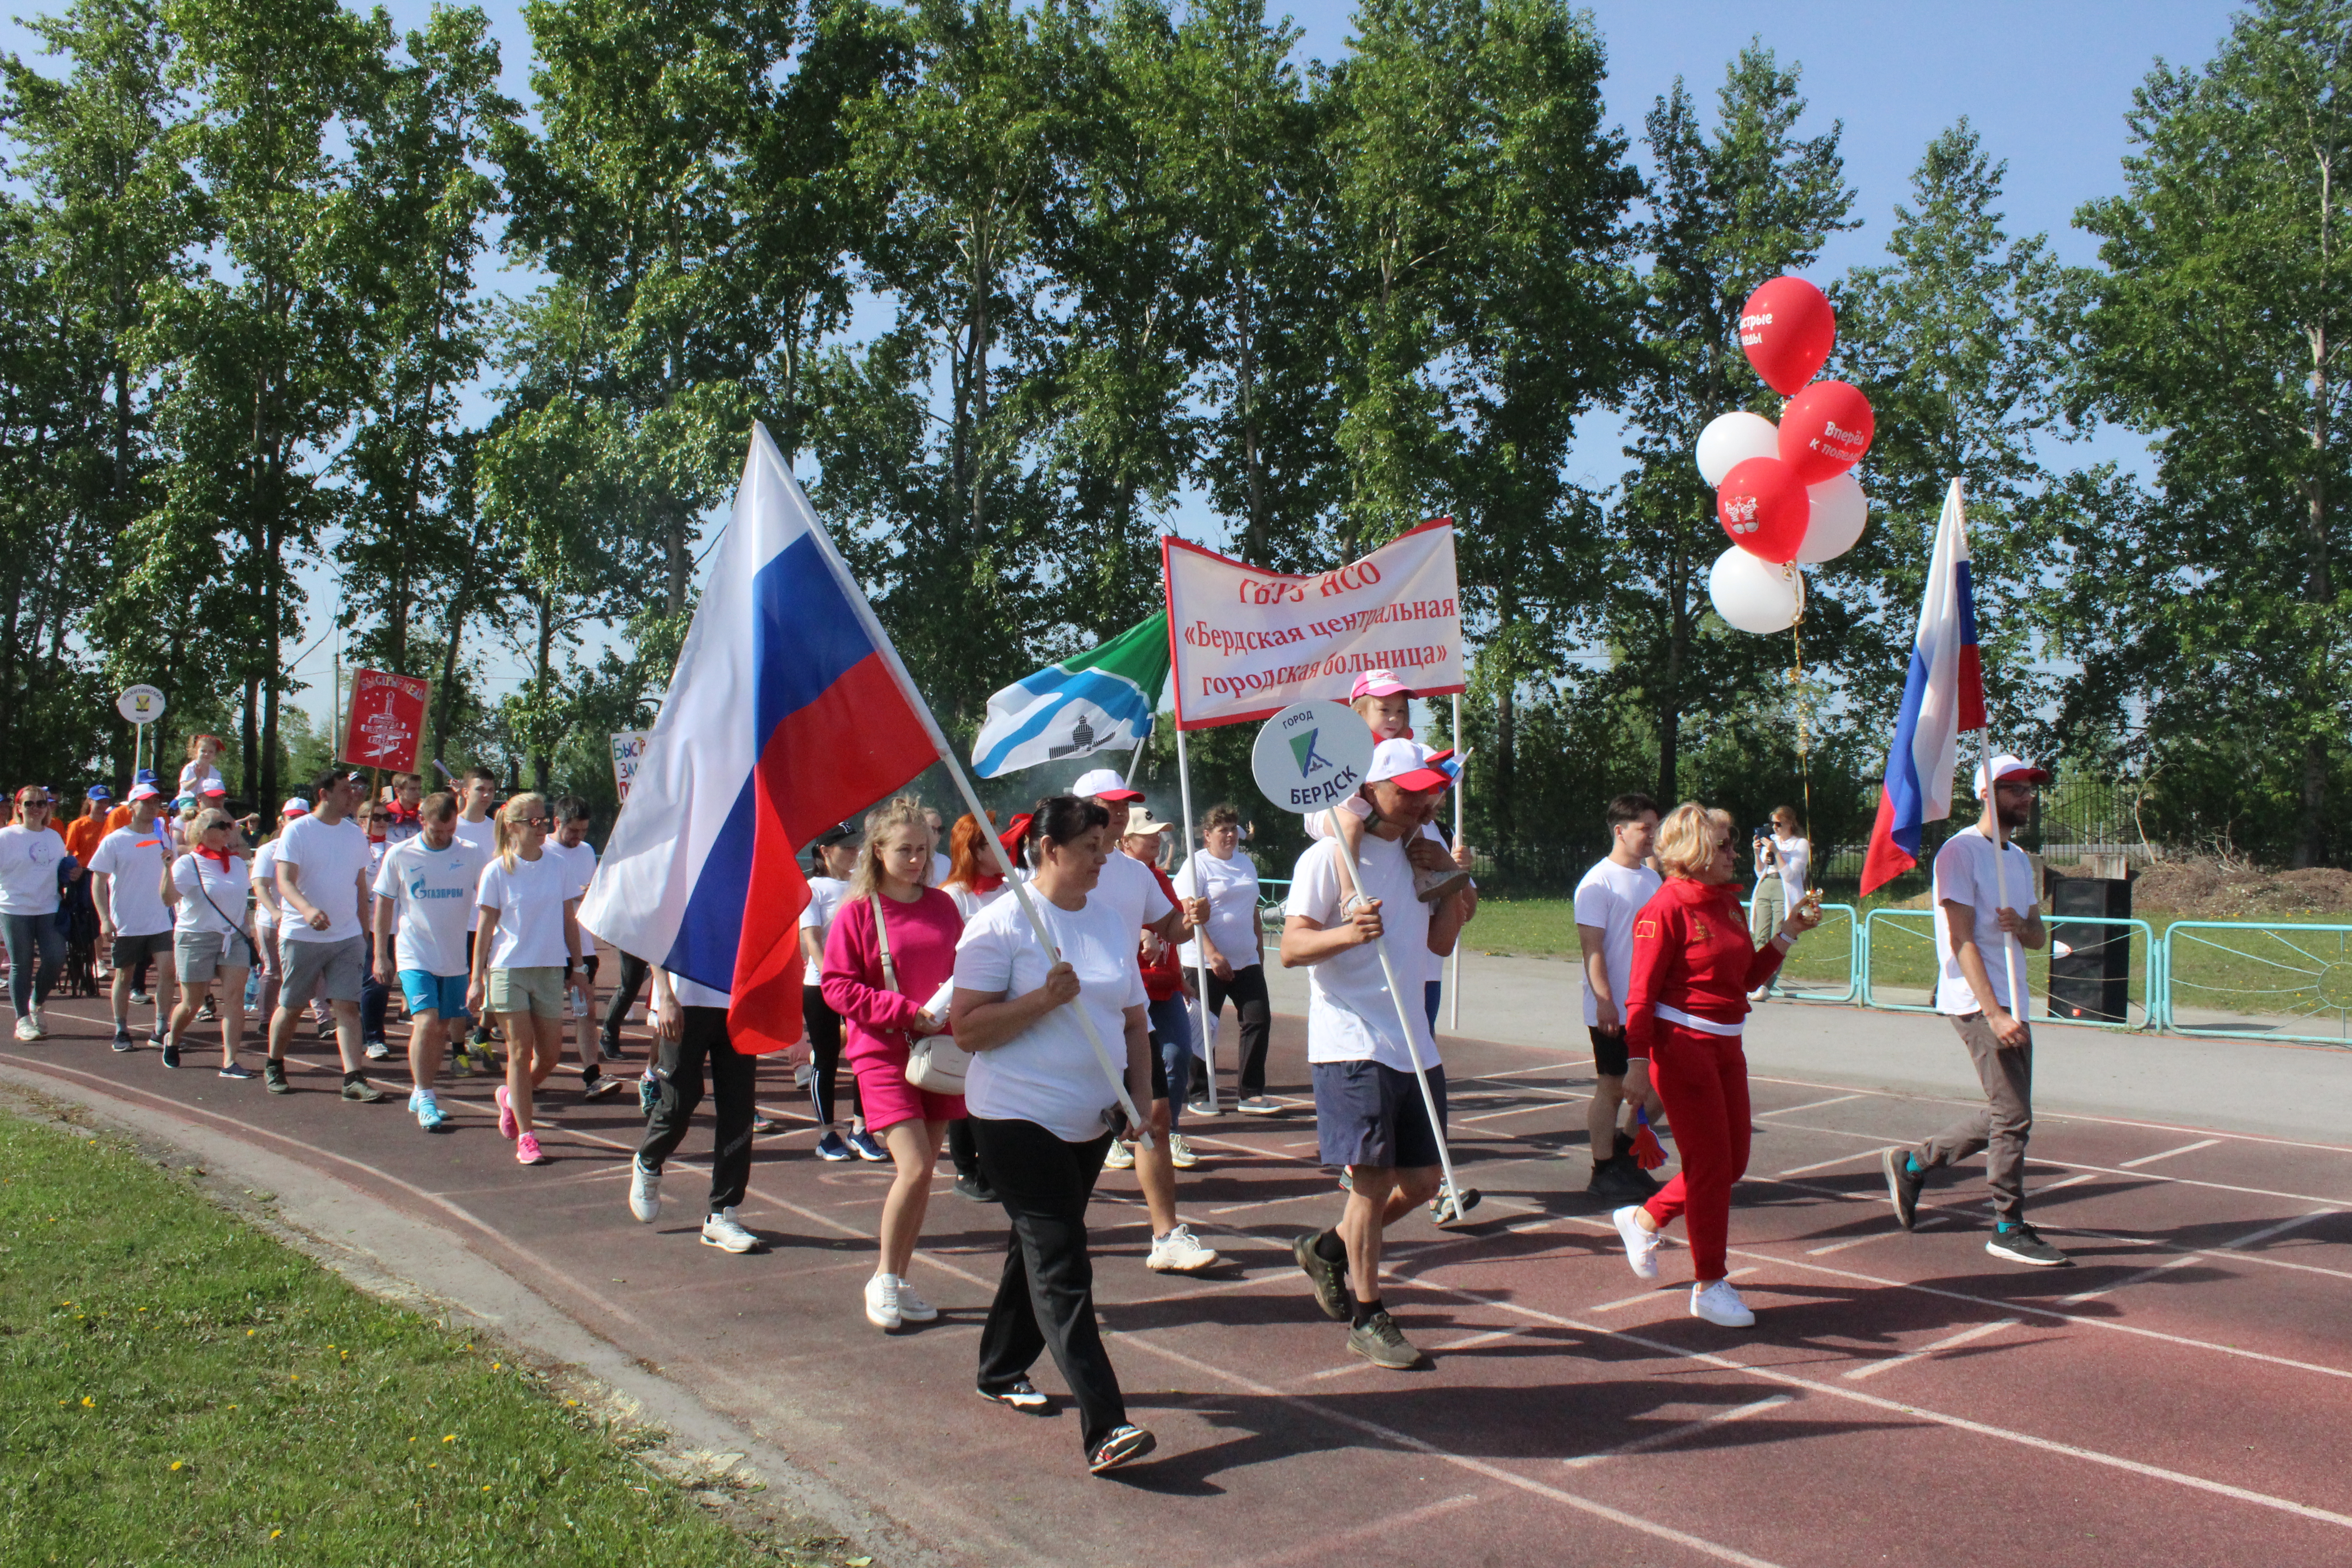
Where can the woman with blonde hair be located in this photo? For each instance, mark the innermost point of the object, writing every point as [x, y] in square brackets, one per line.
[207, 888]
[1686, 1006]
[887, 962]
[526, 956]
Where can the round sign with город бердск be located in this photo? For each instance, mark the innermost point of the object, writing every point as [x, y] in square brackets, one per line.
[1311, 756]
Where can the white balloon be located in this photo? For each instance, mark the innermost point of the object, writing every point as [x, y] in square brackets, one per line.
[1753, 594]
[1840, 512]
[1730, 439]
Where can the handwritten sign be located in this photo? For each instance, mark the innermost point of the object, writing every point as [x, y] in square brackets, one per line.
[628, 751]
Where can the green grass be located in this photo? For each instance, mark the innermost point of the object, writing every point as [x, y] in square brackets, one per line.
[2247, 973]
[180, 1387]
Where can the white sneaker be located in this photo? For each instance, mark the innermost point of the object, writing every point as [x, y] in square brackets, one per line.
[1180, 1153]
[1257, 1105]
[882, 1303]
[26, 1029]
[913, 1309]
[1120, 1158]
[1179, 1252]
[1641, 1246]
[644, 1193]
[1719, 1304]
[1759, 994]
[721, 1231]
[40, 1023]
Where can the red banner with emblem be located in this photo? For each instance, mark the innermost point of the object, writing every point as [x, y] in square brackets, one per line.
[387, 727]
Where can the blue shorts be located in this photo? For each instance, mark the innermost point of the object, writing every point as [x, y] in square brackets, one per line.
[430, 992]
[1367, 1113]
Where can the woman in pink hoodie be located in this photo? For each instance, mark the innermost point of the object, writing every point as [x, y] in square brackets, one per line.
[883, 1018]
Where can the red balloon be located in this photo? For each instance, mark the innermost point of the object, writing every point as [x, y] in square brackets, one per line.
[1824, 431]
[1763, 506]
[1787, 329]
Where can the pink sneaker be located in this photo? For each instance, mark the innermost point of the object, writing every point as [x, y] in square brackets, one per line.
[527, 1151]
[508, 1125]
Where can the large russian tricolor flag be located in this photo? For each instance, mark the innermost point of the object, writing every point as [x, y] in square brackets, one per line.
[788, 711]
[1943, 697]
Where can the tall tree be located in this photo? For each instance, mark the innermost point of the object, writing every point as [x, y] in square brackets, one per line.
[1728, 210]
[2218, 327]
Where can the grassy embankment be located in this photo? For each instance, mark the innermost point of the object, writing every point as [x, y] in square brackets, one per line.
[181, 1387]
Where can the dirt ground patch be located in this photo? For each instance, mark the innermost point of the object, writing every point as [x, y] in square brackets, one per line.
[2208, 889]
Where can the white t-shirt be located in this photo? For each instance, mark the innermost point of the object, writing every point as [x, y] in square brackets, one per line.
[1795, 860]
[197, 877]
[969, 903]
[432, 890]
[530, 900]
[1128, 885]
[134, 862]
[1049, 1074]
[580, 857]
[196, 779]
[826, 895]
[1609, 897]
[331, 862]
[1230, 888]
[941, 869]
[29, 858]
[482, 835]
[264, 883]
[1964, 874]
[1349, 1013]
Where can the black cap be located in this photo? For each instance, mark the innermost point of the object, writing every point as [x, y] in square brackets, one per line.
[839, 833]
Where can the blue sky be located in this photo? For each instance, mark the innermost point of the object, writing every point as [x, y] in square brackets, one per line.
[2047, 87]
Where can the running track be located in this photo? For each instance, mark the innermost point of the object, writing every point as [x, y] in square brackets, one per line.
[2181, 1395]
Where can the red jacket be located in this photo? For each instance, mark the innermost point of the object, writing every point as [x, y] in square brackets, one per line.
[1692, 952]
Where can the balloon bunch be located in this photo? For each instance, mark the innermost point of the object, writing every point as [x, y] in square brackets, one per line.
[1784, 493]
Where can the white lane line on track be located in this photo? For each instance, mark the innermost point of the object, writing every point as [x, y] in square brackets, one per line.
[1466, 1342]
[1923, 1224]
[2232, 1250]
[2079, 1297]
[1514, 1110]
[1676, 1434]
[1328, 1548]
[2069, 1182]
[1825, 1165]
[1811, 1105]
[1144, 1340]
[1270, 1202]
[2168, 1153]
[1980, 1331]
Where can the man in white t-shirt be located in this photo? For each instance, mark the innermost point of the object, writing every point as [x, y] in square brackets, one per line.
[135, 926]
[477, 794]
[1135, 890]
[423, 890]
[1986, 916]
[1611, 895]
[942, 867]
[324, 861]
[1370, 1117]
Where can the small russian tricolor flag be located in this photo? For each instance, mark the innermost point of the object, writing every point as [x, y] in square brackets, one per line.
[789, 710]
[1943, 697]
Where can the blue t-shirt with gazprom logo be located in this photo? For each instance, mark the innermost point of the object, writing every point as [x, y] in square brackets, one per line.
[432, 897]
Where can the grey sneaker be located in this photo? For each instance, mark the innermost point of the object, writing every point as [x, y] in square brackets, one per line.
[1329, 1279]
[1379, 1340]
[1124, 1446]
[2023, 1244]
[359, 1091]
[1903, 1185]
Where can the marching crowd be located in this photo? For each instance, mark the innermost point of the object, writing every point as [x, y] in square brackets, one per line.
[1010, 995]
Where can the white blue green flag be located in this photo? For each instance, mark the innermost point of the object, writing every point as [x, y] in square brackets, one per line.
[1104, 697]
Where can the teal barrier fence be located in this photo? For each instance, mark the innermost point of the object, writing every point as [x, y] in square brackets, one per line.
[2246, 980]
[1907, 937]
[1801, 976]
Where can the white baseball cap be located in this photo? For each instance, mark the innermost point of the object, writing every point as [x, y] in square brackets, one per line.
[1104, 783]
[2006, 767]
[295, 807]
[1406, 764]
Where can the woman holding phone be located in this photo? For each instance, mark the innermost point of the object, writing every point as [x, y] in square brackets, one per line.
[526, 957]
[1042, 1110]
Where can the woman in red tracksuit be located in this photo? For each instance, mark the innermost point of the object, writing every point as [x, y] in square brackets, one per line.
[1694, 966]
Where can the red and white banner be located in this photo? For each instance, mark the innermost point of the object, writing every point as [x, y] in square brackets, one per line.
[1247, 643]
[387, 721]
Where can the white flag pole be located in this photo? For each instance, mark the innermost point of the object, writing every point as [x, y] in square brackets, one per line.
[1199, 948]
[1453, 985]
[1113, 1070]
[2020, 1004]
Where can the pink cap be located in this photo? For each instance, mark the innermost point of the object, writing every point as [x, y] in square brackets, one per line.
[1379, 683]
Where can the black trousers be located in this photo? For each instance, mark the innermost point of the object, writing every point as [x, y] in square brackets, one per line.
[962, 1151]
[1045, 1299]
[374, 998]
[1247, 989]
[703, 1041]
[823, 1027]
[633, 970]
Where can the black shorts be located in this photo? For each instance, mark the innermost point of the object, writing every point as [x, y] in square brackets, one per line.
[588, 962]
[1367, 1113]
[1607, 1049]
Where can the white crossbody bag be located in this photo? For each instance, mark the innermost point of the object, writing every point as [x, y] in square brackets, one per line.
[935, 1064]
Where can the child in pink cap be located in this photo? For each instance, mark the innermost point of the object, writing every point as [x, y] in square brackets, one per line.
[1384, 703]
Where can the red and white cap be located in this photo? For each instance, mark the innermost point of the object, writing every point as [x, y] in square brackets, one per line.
[1379, 683]
[1405, 763]
[295, 807]
[2006, 767]
[1104, 783]
[144, 790]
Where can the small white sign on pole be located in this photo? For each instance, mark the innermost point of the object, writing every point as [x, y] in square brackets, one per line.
[141, 705]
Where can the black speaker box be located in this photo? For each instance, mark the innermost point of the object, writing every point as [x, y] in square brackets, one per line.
[2090, 966]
